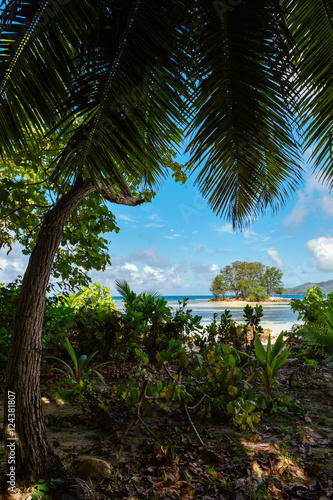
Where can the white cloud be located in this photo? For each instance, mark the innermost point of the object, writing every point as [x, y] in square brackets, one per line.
[227, 228]
[326, 203]
[149, 276]
[12, 265]
[150, 256]
[172, 236]
[126, 218]
[299, 212]
[156, 274]
[153, 225]
[203, 269]
[322, 249]
[314, 195]
[155, 217]
[275, 257]
[130, 267]
[254, 237]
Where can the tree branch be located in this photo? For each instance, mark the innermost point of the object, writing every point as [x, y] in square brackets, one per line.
[114, 197]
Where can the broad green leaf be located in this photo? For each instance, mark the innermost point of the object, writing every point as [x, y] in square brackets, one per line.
[259, 350]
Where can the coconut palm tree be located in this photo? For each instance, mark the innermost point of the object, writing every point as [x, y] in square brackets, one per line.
[118, 81]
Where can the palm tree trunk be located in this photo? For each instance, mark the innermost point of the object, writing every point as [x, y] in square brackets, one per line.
[33, 457]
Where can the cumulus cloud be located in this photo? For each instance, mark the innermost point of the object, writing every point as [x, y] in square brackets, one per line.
[147, 276]
[322, 249]
[314, 195]
[199, 268]
[130, 267]
[226, 228]
[299, 212]
[326, 203]
[150, 256]
[275, 257]
[12, 265]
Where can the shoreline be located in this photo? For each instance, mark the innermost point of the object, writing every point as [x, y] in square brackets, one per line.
[242, 303]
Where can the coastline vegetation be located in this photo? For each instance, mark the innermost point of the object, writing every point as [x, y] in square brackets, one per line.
[250, 281]
[168, 389]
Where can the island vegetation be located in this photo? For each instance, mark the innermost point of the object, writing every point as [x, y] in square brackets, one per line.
[251, 281]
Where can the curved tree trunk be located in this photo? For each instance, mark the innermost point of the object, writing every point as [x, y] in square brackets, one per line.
[33, 457]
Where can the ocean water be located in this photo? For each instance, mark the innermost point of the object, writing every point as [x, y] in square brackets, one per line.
[276, 317]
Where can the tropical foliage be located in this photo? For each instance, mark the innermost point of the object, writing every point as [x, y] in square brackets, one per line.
[316, 312]
[247, 280]
[112, 86]
[123, 102]
[79, 376]
[270, 360]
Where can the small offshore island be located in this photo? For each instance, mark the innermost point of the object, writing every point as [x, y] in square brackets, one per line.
[247, 283]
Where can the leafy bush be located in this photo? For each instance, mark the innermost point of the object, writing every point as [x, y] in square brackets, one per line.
[4, 344]
[227, 331]
[316, 310]
[312, 308]
[270, 361]
[320, 334]
[209, 380]
[8, 297]
[149, 321]
[87, 318]
[80, 376]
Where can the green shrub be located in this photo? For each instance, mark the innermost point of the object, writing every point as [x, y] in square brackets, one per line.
[270, 361]
[312, 308]
[87, 318]
[79, 375]
[4, 343]
[8, 297]
[149, 321]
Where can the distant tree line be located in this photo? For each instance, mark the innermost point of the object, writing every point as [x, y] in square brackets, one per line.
[247, 280]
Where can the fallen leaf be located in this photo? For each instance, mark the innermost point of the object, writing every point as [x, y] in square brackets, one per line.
[307, 419]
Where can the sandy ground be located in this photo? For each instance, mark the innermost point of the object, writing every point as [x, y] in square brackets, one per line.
[275, 328]
[243, 303]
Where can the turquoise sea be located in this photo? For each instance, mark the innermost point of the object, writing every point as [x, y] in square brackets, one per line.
[277, 317]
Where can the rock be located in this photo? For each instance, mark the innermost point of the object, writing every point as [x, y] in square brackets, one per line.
[78, 489]
[246, 488]
[92, 468]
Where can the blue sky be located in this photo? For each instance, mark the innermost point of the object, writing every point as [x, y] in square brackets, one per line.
[176, 244]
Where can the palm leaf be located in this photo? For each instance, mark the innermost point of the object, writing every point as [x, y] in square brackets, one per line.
[311, 24]
[243, 125]
[101, 68]
[123, 288]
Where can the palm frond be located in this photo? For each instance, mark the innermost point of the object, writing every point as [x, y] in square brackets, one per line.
[86, 74]
[243, 126]
[311, 24]
[123, 288]
[150, 293]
